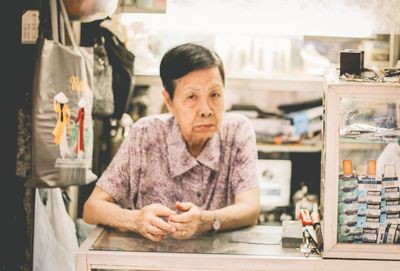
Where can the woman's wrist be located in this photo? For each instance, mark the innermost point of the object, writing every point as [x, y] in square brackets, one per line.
[129, 221]
[216, 225]
[207, 219]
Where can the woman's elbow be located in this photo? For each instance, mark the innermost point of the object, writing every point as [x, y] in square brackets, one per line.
[87, 212]
[255, 214]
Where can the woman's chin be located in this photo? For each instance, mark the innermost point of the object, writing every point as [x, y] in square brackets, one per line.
[205, 130]
[203, 135]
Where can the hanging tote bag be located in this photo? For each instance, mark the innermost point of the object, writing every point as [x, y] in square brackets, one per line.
[122, 62]
[62, 131]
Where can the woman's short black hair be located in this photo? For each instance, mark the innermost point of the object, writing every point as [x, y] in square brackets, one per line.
[185, 58]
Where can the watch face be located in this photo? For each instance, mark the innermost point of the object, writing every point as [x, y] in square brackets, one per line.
[216, 225]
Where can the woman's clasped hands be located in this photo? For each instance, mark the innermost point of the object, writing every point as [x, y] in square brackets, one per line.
[158, 221]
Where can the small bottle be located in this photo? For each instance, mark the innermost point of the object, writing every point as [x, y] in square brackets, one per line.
[371, 169]
[348, 183]
[347, 168]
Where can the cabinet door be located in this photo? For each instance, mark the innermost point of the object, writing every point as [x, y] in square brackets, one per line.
[361, 165]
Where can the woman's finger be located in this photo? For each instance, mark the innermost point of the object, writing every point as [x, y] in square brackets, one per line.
[183, 206]
[181, 218]
[156, 231]
[154, 237]
[162, 225]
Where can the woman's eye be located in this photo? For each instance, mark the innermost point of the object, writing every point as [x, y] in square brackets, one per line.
[192, 97]
[216, 94]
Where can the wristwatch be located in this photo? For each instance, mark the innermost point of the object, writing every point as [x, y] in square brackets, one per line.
[216, 223]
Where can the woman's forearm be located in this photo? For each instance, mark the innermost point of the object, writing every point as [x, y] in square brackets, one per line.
[244, 212]
[106, 213]
[238, 215]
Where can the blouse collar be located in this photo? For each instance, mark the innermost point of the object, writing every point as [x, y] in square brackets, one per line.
[181, 160]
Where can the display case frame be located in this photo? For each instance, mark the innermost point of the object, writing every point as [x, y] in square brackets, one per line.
[334, 91]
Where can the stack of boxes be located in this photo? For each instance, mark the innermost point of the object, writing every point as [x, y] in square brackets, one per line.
[369, 209]
[348, 204]
[369, 199]
[389, 231]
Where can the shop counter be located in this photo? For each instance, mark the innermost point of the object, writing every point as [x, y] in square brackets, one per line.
[253, 248]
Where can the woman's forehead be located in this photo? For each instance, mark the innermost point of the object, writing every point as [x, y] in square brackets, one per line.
[200, 78]
[200, 87]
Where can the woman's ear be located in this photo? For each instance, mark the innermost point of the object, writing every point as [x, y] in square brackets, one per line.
[168, 101]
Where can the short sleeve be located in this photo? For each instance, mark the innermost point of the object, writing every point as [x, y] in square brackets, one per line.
[118, 178]
[244, 158]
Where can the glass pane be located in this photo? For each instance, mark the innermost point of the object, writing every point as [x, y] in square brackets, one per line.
[369, 158]
[247, 241]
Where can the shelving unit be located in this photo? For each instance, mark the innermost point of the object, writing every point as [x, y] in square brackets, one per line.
[279, 83]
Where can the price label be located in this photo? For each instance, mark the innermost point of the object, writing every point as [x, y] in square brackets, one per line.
[30, 27]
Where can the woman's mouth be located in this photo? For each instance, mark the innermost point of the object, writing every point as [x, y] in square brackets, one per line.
[204, 126]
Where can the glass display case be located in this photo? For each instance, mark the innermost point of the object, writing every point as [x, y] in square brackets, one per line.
[360, 167]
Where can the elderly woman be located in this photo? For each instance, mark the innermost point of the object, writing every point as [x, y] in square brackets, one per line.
[186, 172]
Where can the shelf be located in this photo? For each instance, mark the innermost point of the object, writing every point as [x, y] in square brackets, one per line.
[129, 9]
[369, 140]
[267, 148]
[129, 6]
[142, 79]
[279, 83]
[363, 133]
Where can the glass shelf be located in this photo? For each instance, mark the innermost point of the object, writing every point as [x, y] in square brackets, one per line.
[373, 135]
[268, 148]
[368, 139]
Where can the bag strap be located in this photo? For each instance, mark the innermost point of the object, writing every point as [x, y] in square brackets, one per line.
[67, 23]
[62, 30]
[54, 20]
[64, 18]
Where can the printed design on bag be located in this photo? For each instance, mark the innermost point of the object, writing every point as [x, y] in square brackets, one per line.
[77, 84]
[80, 120]
[72, 136]
[63, 122]
[76, 137]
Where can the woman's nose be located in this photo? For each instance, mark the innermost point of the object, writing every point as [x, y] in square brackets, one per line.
[205, 110]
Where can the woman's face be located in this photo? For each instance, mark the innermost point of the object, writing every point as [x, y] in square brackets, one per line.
[198, 104]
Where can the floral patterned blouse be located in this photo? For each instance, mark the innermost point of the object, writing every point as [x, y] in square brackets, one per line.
[153, 165]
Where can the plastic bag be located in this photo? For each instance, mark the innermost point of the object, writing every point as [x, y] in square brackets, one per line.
[49, 253]
[63, 226]
[390, 155]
